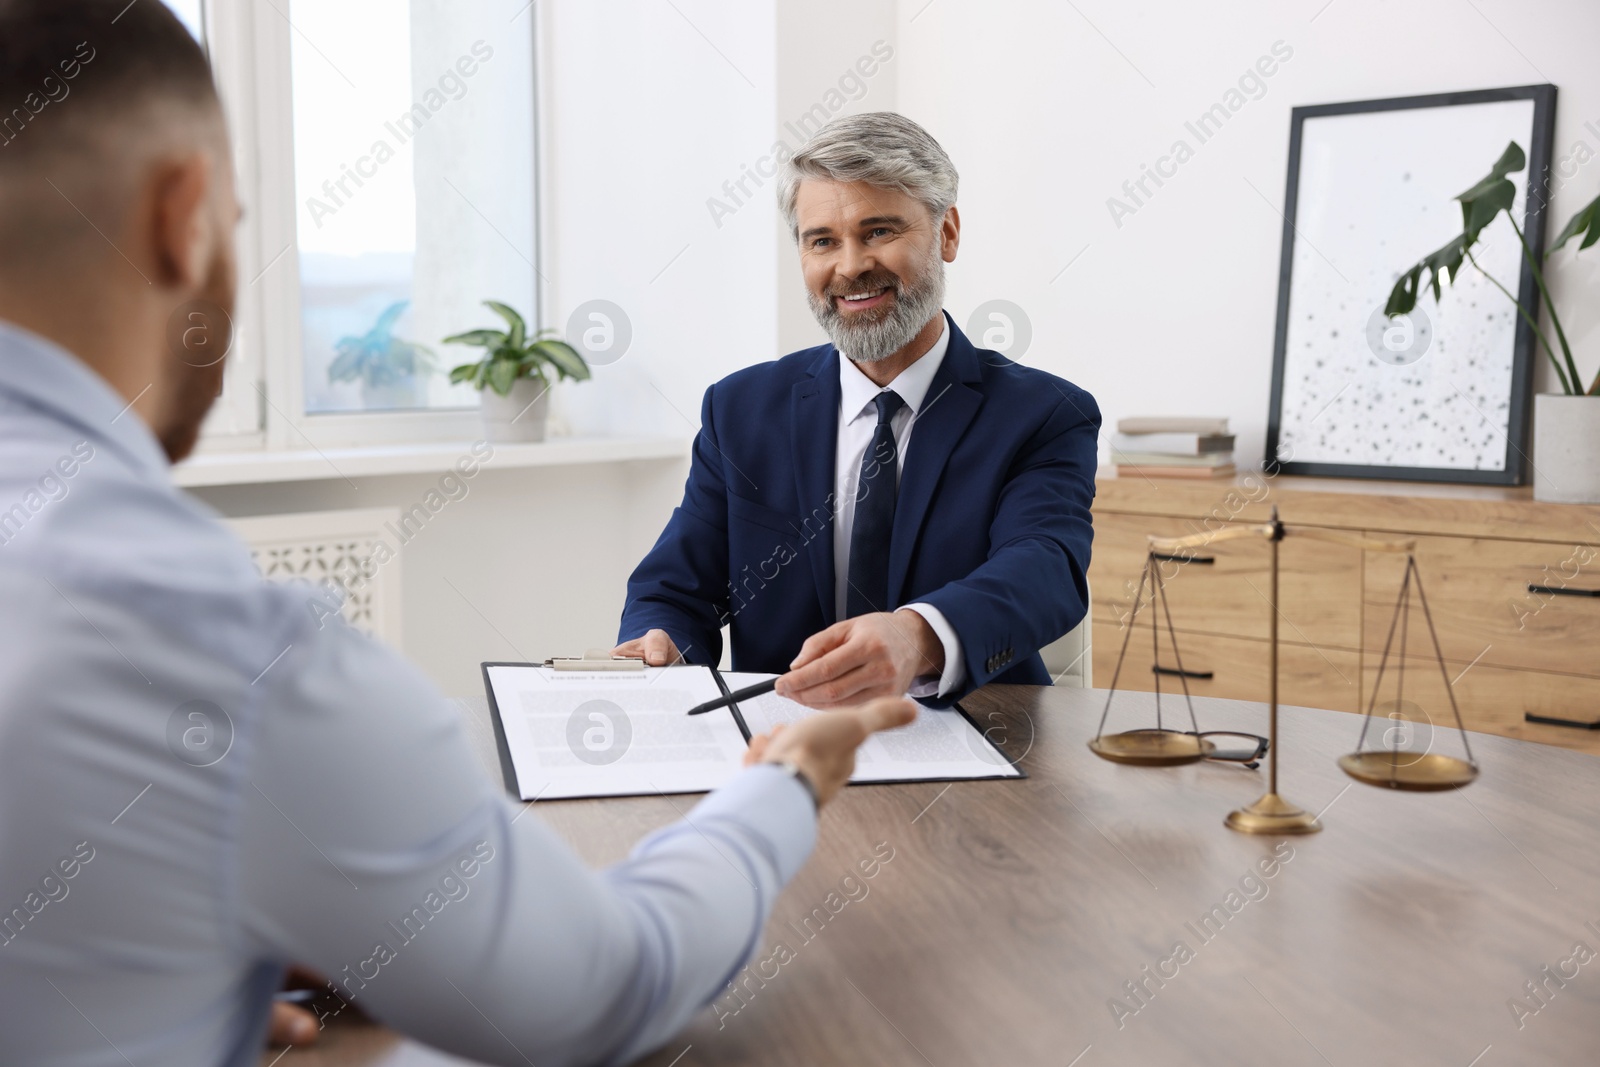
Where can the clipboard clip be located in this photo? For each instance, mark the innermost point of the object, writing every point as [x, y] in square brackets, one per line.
[595, 659]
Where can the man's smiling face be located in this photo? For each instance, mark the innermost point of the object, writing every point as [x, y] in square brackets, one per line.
[873, 261]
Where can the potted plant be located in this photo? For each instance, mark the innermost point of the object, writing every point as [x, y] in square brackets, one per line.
[515, 374]
[389, 369]
[1566, 425]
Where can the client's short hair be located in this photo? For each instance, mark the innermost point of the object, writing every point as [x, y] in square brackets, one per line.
[71, 69]
[879, 148]
[89, 91]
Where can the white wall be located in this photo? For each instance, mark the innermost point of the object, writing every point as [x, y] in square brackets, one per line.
[1047, 112]
[530, 563]
[830, 61]
[650, 108]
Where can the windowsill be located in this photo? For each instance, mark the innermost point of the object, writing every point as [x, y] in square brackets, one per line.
[247, 468]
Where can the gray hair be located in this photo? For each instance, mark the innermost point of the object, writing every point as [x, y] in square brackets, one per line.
[879, 148]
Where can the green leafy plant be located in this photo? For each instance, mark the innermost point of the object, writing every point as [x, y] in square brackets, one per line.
[1479, 206]
[378, 357]
[513, 354]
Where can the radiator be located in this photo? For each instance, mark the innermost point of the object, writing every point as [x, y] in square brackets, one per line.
[332, 548]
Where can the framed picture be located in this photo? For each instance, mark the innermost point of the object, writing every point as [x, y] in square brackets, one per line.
[1441, 394]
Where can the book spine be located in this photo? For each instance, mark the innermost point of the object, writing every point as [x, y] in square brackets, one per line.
[1200, 473]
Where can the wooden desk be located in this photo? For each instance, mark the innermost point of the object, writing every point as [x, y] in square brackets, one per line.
[1012, 912]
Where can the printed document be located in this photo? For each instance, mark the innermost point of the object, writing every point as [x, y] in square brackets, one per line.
[627, 733]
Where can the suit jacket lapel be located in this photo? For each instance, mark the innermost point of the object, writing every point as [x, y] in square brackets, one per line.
[946, 412]
[814, 438]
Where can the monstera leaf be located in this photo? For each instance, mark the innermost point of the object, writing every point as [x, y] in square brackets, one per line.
[1479, 206]
[1586, 222]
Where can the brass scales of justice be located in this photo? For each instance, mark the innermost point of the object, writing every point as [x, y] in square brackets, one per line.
[1389, 768]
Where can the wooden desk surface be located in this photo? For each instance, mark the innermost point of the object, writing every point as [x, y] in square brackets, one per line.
[1012, 912]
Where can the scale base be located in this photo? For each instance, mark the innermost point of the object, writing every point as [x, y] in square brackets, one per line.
[1272, 815]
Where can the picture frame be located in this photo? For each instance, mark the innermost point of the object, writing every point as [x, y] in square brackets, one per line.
[1441, 395]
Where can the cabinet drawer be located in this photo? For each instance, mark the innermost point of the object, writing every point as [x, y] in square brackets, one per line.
[1223, 589]
[1483, 609]
[1493, 700]
[1230, 667]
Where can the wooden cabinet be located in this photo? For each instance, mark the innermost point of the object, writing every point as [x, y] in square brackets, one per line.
[1234, 667]
[1223, 588]
[1501, 603]
[1507, 583]
[1493, 700]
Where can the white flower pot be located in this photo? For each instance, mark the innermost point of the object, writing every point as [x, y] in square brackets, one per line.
[1566, 449]
[521, 416]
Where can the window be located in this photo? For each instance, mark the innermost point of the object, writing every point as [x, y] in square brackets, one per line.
[385, 152]
[191, 14]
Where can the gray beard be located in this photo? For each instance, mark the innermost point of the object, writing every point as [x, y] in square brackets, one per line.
[914, 306]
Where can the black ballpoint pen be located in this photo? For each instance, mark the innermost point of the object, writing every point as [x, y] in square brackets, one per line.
[738, 694]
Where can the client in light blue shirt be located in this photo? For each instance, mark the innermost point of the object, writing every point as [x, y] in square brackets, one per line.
[205, 778]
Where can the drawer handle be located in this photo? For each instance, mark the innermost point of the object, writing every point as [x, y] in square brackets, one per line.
[1562, 590]
[1202, 675]
[1172, 557]
[1528, 716]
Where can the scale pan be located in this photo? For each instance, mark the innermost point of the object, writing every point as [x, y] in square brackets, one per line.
[1428, 773]
[1152, 748]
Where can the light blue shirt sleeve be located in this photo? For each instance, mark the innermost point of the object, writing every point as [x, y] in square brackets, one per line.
[205, 777]
[374, 849]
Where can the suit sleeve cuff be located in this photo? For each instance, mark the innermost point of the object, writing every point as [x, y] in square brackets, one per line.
[955, 664]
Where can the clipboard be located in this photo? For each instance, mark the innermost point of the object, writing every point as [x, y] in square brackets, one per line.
[512, 785]
[1014, 764]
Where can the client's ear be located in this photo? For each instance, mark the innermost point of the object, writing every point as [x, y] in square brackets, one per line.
[185, 232]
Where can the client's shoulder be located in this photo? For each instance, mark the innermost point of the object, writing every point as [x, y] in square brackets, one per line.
[129, 542]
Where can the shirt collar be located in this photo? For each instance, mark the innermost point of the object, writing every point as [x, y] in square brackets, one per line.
[856, 390]
[40, 373]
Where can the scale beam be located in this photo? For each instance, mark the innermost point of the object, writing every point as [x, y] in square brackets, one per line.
[1269, 532]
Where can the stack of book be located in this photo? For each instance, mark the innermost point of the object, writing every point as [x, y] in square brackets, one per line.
[1173, 447]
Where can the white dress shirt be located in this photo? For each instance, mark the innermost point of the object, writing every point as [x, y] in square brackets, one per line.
[204, 777]
[858, 420]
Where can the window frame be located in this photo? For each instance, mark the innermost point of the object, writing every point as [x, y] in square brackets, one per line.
[263, 401]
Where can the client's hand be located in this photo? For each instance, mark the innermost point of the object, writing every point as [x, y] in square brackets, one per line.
[655, 648]
[292, 1024]
[824, 746]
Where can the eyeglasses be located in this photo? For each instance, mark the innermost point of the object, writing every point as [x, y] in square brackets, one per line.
[1234, 747]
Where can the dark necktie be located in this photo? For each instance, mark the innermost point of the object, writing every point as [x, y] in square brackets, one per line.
[874, 518]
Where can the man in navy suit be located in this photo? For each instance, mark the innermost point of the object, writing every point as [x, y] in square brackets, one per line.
[896, 512]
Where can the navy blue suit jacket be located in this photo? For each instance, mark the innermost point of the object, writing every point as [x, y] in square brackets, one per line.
[991, 525]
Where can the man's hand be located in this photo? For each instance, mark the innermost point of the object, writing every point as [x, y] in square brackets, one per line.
[824, 746]
[655, 648]
[876, 655]
[292, 1024]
